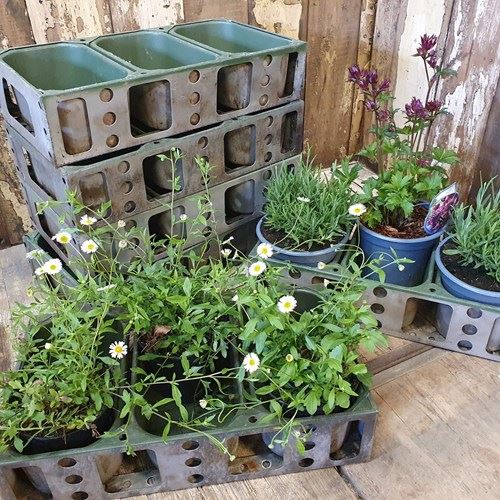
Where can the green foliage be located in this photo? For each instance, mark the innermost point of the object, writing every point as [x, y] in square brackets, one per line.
[476, 231]
[307, 207]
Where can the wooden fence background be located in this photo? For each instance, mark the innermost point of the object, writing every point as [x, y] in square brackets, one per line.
[379, 33]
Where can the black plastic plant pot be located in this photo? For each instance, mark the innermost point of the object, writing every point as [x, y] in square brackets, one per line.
[73, 439]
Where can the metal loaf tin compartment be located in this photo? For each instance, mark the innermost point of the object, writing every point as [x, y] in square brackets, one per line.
[103, 470]
[233, 204]
[92, 101]
[412, 313]
[137, 180]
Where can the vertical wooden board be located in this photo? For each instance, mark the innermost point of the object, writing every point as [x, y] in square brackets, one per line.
[54, 20]
[279, 16]
[15, 29]
[473, 52]
[333, 33]
[130, 15]
[197, 10]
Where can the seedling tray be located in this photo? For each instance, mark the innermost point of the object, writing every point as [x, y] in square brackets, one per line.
[425, 313]
[186, 460]
[122, 90]
[137, 180]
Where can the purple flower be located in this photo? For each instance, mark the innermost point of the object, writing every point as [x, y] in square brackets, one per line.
[416, 109]
[355, 73]
[432, 59]
[427, 43]
[384, 86]
[433, 106]
[423, 162]
[383, 115]
[371, 77]
[371, 105]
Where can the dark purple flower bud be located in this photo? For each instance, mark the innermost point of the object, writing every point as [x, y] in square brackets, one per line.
[384, 86]
[371, 105]
[423, 162]
[371, 77]
[427, 43]
[433, 106]
[355, 73]
[432, 59]
[416, 109]
[383, 115]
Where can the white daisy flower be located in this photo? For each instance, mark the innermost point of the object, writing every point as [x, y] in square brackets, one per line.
[303, 199]
[235, 298]
[122, 244]
[225, 252]
[35, 254]
[251, 362]
[374, 192]
[401, 267]
[287, 304]
[39, 271]
[357, 209]
[321, 265]
[62, 237]
[89, 246]
[183, 217]
[118, 350]
[121, 223]
[47, 345]
[52, 266]
[256, 268]
[326, 283]
[203, 403]
[87, 221]
[107, 287]
[265, 251]
[289, 358]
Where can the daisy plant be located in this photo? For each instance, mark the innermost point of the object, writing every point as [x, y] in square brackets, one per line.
[306, 208]
[194, 327]
[410, 170]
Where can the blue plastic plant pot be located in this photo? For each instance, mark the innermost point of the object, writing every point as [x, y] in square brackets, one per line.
[460, 289]
[298, 257]
[419, 250]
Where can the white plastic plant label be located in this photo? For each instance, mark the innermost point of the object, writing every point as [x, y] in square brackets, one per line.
[440, 209]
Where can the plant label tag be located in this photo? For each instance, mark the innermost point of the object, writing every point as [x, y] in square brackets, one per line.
[440, 209]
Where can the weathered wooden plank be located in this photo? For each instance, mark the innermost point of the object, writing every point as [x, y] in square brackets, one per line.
[15, 29]
[473, 52]
[54, 20]
[278, 16]
[15, 276]
[333, 33]
[129, 15]
[197, 10]
[437, 434]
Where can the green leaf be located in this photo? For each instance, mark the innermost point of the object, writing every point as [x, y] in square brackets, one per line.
[18, 444]
[166, 431]
[311, 403]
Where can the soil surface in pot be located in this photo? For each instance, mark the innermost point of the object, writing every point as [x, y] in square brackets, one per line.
[280, 239]
[468, 274]
[409, 229]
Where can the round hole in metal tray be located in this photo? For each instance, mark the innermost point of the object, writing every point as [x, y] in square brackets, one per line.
[126, 187]
[202, 142]
[195, 119]
[112, 141]
[474, 313]
[106, 95]
[267, 175]
[265, 80]
[380, 291]
[295, 274]
[268, 138]
[252, 419]
[268, 156]
[469, 329]
[190, 445]
[269, 121]
[123, 167]
[309, 445]
[377, 308]
[263, 99]
[66, 462]
[151, 480]
[194, 76]
[73, 479]
[306, 462]
[432, 289]
[193, 462]
[109, 118]
[195, 478]
[464, 345]
[129, 206]
[268, 60]
[266, 464]
[79, 495]
[194, 98]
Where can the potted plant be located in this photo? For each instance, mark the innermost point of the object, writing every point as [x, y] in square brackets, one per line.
[410, 173]
[468, 259]
[308, 216]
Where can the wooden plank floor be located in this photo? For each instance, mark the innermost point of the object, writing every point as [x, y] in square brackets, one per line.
[437, 436]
